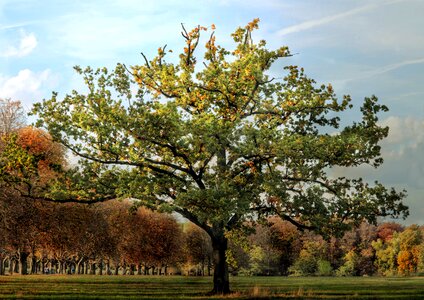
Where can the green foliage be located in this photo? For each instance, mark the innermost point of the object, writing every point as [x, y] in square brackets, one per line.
[350, 267]
[420, 256]
[307, 262]
[324, 268]
[304, 266]
[386, 254]
[213, 142]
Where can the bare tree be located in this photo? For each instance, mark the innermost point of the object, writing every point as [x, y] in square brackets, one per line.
[12, 115]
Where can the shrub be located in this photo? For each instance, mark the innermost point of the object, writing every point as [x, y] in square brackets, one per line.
[324, 268]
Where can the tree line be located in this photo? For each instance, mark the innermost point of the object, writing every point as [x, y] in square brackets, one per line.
[115, 237]
[107, 238]
[279, 248]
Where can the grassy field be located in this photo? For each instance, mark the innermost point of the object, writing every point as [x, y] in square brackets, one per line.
[173, 287]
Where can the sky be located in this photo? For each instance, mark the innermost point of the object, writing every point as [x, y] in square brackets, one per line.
[361, 47]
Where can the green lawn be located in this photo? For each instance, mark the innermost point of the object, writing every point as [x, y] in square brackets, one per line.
[174, 287]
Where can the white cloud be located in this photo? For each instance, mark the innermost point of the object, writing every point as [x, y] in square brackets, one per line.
[405, 135]
[25, 86]
[27, 43]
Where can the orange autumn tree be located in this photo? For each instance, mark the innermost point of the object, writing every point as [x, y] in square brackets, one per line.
[39, 143]
[29, 160]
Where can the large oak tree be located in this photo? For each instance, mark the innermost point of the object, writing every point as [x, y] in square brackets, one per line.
[220, 141]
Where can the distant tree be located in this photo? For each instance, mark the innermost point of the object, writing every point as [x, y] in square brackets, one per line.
[351, 264]
[39, 161]
[12, 116]
[386, 230]
[386, 255]
[286, 240]
[358, 251]
[263, 253]
[314, 250]
[410, 241]
[221, 142]
[198, 248]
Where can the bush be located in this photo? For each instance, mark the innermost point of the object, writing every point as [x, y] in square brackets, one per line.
[304, 266]
[324, 268]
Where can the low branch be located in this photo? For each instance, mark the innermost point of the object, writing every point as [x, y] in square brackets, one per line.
[72, 200]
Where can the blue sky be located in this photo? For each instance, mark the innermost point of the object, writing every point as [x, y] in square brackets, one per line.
[362, 47]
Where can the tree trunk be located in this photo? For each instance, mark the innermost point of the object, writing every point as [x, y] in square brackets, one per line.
[1, 265]
[3, 271]
[34, 267]
[23, 263]
[221, 280]
[101, 267]
[11, 265]
[61, 267]
[80, 267]
[108, 271]
[209, 265]
[93, 269]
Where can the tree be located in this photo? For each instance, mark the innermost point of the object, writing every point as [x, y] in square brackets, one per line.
[386, 255]
[286, 239]
[198, 248]
[313, 253]
[410, 241]
[39, 159]
[221, 142]
[359, 254]
[386, 230]
[12, 116]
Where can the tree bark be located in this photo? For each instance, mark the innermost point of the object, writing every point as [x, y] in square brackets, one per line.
[23, 263]
[34, 262]
[101, 267]
[108, 271]
[80, 266]
[11, 265]
[1, 265]
[93, 269]
[221, 278]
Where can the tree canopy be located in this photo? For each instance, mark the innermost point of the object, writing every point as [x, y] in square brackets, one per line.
[220, 141]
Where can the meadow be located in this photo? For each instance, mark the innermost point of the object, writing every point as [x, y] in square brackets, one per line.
[180, 287]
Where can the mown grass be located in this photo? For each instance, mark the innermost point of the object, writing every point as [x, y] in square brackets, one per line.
[176, 287]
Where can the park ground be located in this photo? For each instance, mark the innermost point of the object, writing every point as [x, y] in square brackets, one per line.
[180, 287]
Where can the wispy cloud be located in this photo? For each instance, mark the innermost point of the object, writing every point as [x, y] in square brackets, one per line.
[328, 19]
[379, 71]
[13, 26]
[392, 67]
[27, 43]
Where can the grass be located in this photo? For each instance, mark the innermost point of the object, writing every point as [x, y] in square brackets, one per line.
[176, 287]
